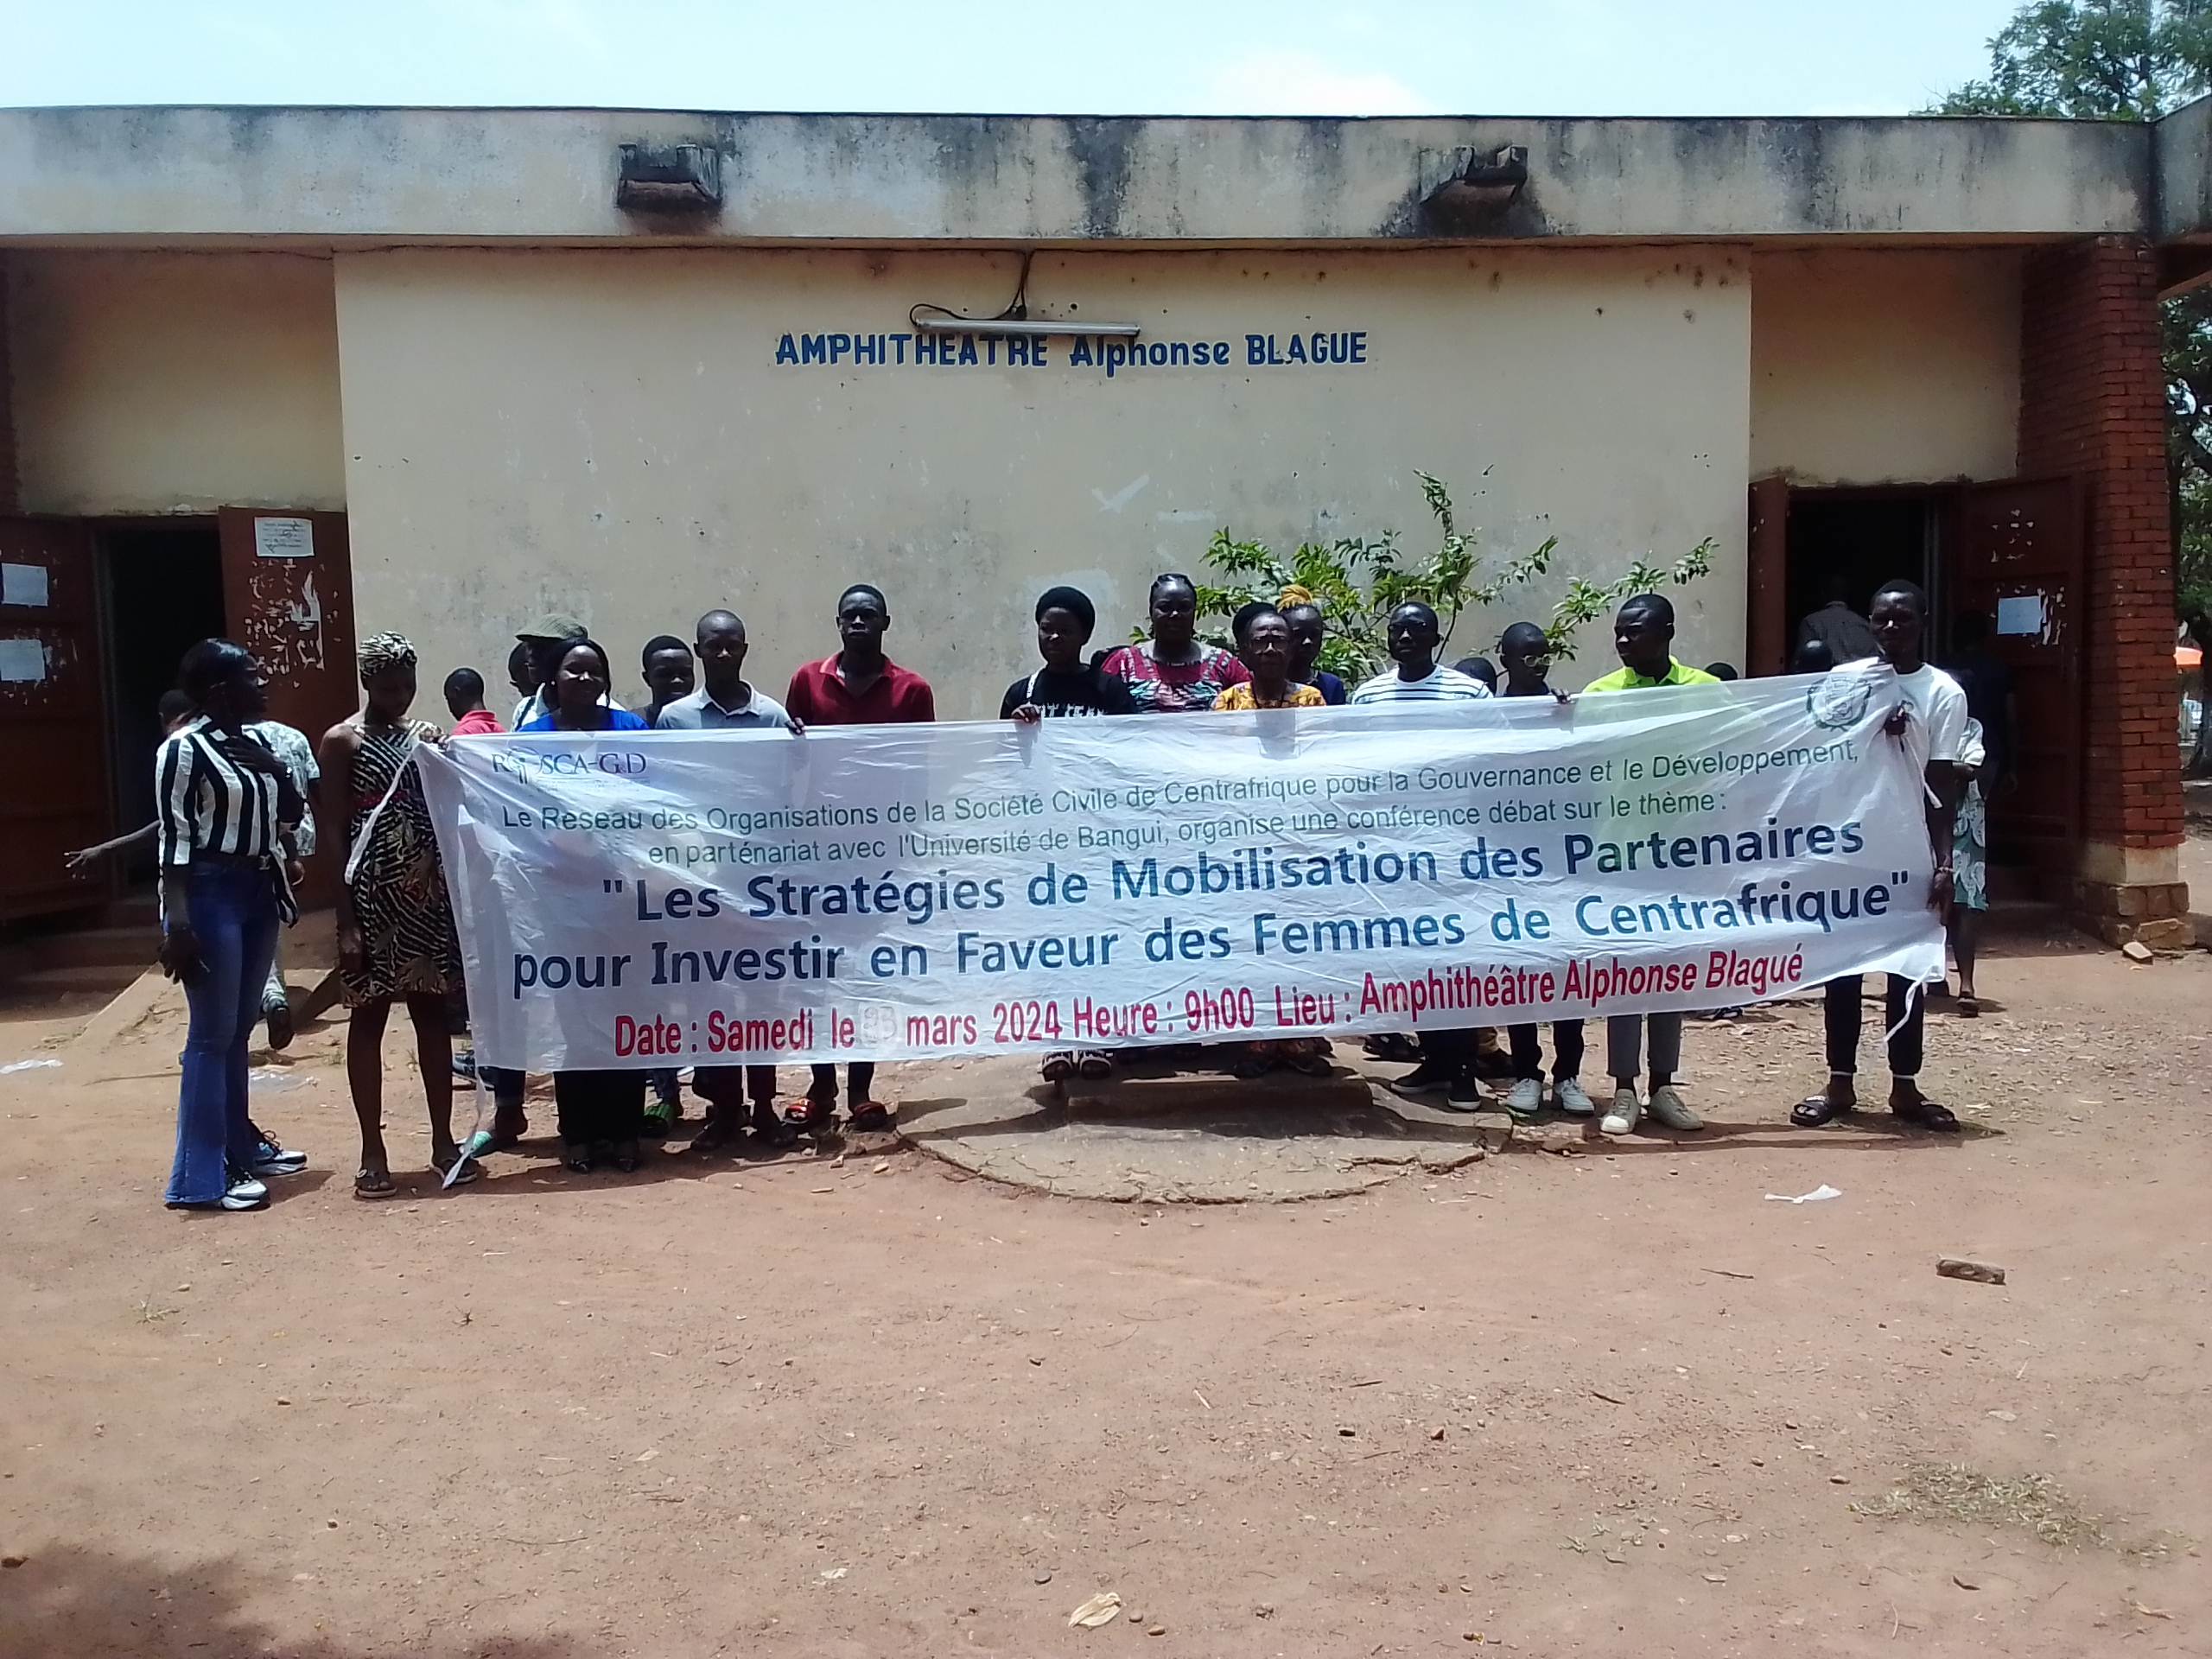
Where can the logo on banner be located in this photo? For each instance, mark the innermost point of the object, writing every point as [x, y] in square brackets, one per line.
[1837, 702]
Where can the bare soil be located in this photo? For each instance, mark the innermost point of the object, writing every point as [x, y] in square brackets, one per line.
[1610, 1401]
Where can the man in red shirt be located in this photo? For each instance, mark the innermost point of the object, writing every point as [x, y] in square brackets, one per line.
[859, 686]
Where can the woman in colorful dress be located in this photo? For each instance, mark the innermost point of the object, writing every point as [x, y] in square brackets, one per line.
[1174, 672]
[1969, 865]
[1267, 652]
[396, 938]
[599, 1109]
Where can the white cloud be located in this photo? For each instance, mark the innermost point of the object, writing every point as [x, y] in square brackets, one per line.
[1282, 82]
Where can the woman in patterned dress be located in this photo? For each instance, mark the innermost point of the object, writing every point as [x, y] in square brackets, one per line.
[396, 938]
[1174, 672]
[1969, 865]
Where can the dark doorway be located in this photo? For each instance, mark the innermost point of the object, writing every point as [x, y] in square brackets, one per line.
[1854, 541]
[164, 593]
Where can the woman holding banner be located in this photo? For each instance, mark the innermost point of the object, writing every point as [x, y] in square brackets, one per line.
[597, 1109]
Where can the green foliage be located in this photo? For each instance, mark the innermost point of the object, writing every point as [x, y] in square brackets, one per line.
[1357, 583]
[2094, 60]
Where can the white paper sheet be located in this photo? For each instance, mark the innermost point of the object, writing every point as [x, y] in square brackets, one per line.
[26, 585]
[2020, 614]
[22, 662]
[283, 538]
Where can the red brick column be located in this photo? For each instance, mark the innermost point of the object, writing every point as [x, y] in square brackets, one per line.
[2093, 403]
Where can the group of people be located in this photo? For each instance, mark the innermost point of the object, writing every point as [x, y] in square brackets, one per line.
[238, 796]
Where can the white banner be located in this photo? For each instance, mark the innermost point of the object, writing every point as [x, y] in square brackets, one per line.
[891, 891]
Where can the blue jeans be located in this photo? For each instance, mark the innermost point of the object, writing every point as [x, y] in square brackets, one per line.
[234, 917]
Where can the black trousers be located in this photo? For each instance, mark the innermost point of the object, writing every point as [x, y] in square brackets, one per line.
[1844, 1016]
[725, 1087]
[597, 1106]
[860, 1076]
[1566, 1050]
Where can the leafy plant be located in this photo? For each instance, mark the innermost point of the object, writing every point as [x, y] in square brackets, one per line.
[1357, 582]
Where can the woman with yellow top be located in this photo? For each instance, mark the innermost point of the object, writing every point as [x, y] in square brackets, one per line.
[1267, 654]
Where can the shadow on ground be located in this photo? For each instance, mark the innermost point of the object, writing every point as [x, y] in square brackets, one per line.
[69, 1599]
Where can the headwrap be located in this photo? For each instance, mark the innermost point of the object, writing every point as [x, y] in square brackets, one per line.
[383, 650]
[1294, 593]
[1074, 602]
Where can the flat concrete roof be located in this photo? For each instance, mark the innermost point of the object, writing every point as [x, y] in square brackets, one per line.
[333, 177]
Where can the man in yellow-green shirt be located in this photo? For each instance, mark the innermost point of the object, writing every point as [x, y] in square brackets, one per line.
[1644, 634]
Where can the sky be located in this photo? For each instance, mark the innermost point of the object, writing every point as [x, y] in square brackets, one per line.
[1114, 57]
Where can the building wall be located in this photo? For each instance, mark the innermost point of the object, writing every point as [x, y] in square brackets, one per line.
[1880, 367]
[612, 433]
[2096, 408]
[149, 383]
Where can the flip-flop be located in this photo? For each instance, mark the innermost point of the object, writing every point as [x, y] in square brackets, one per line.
[470, 1170]
[1929, 1116]
[369, 1187]
[1094, 1063]
[1815, 1110]
[1969, 1008]
[869, 1118]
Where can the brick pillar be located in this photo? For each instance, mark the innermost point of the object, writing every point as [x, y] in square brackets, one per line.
[2093, 403]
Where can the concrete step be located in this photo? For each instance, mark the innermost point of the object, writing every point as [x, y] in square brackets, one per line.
[97, 947]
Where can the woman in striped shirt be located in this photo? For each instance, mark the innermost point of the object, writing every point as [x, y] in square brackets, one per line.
[225, 805]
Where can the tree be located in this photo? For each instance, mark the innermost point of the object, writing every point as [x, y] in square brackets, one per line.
[2131, 60]
[2094, 61]
[1357, 583]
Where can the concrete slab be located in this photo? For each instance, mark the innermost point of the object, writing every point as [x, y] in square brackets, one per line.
[1182, 1134]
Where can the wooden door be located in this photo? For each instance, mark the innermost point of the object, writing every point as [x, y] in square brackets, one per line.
[2019, 561]
[52, 716]
[288, 595]
[1767, 642]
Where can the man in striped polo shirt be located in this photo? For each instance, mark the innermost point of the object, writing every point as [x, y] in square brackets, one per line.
[1419, 677]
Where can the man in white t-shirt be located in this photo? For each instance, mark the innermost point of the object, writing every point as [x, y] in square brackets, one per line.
[1414, 637]
[1930, 722]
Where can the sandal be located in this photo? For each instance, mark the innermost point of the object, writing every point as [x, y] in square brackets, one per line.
[1927, 1115]
[1815, 1110]
[1969, 1005]
[576, 1155]
[816, 1117]
[470, 1169]
[771, 1131]
[870, 1117]
[1094, 1063]
[721, 1132]
[370, 1185]
[1060, 1065]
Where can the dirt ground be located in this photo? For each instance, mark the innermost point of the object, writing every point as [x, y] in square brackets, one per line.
[1613, 1401]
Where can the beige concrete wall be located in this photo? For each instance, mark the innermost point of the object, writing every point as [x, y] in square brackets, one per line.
[149, 383]
[1885, 367]
[610, 432]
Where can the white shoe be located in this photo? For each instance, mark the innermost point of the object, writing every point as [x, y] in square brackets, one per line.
[1567, 1095]
[1671, 1109]
[1526, 1097]
[1621, 1116]
[245, 1194]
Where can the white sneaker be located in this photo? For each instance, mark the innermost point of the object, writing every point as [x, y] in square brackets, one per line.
[1567, 1095]
[1526, 1097]
[1621, 1116]
[245, 1193]
[1670, 1108]
[271, 1159]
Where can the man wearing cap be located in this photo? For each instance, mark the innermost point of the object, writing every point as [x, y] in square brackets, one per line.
[542, 638]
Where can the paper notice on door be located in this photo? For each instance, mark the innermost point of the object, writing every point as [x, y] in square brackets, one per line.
[283, 538]
[25, 585]
[2019, 613]
[22, 662]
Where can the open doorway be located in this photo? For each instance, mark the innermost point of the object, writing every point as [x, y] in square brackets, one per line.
[164, 592]
[1847, 542]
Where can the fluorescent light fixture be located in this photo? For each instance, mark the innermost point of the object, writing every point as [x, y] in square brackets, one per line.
[930, 320]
